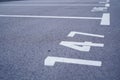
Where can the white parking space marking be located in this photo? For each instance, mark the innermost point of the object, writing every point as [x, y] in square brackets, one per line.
[22, 5]
[76, 45]
[107, 5]
[105, 19]
[50, 61]
[73, 33]
[99, 9]
[102, 2]
[80, 46]
[108, 1]
[54, 17]
[56, 1]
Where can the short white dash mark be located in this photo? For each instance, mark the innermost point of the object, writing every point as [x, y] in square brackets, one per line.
[105, 19]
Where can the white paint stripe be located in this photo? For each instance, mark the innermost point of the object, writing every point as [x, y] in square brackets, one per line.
[47, 1]
[80, 46]
[107, 5]
[57, 1]
[99, 9]
[86, 43]
[108, 1]
[50, 61]
[72, 34]
[102, 2]
[50, 5]
[54, 17]
[105, 19]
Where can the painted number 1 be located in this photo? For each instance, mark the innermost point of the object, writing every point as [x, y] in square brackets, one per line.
[50, 61]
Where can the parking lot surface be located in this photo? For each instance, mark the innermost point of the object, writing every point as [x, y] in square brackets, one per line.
[59, 40]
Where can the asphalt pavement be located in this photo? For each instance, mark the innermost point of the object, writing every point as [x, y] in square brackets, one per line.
[59, 40]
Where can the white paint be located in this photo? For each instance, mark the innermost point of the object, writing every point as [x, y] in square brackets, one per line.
[38, 4]
[99, 9]
[105, 19]
[54, 17]
[73, 33]
[50, 61]
[108, 1]
[51, 1]
[107, 5]
[102, 2]
[81, 46]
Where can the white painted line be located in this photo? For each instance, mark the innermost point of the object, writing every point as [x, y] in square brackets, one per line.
[86, 43]
[80, 46]
[105, 19]
[99, 9]
[76, 46]
[102, 2]
[108, 1]
[54, 17]
[60, 1]
[50, 61]
[107, 5]
[73, 33]
[23, 5]
[55, 1]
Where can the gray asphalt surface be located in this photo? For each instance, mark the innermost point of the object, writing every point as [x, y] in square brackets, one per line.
[26, 42]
